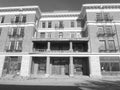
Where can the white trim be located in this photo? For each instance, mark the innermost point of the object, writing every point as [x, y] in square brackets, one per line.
[103, 23]
[58, 55]
[106, 4]
[20, 7]
[17, 12]
[58, 18]
[17, 25]
[103, 10]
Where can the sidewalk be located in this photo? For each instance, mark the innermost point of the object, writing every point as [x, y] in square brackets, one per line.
[55, 81]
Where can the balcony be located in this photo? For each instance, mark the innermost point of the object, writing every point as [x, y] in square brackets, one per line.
[59, 47]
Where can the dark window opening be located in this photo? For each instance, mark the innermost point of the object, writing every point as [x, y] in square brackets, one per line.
[80, 46]
[39, 46]
[60, 46]
[49, 24]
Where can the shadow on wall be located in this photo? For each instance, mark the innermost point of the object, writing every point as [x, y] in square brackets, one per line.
[99, 85]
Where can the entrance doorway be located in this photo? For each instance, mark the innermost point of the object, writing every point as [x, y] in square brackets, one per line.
[60, 65]
[81, 66]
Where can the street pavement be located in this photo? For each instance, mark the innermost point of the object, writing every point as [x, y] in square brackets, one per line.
[85, 83]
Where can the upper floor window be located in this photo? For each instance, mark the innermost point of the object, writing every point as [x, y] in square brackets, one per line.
[2, 19]
[61, 25]
[102, 45]
[42, 35]
[108, 29]
[72, 35]
[43, 24]
[60, 34]
[17, 19]
[99, 17]
[14, 46]
[23, 18]
[72, 24]
[49, 24]
[16, 32]
[111, 45]
[100, 31]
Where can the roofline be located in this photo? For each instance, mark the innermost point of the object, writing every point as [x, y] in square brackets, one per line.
[16, 7]
[105, 4]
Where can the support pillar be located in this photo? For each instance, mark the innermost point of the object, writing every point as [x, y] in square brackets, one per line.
[48, 66]
[25, 66]
[2, 60]
[48, 46]
[71, 46]
[71, 66]
[94, 65]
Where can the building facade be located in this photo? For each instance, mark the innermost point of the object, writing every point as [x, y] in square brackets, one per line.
[60, 43]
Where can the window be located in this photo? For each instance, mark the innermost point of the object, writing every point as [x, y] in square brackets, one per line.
[17, 19]
[100, 31]
[12, 45]
[23, 19]
[110, 65]
[49, 34]
[2, 19]
[42, 35]
[72, 24]
[61, 24]
[19, 46]
[60, 34]
[15, 31]
[43, 25]
[21, 32]
[106, 16]
[99, 17]
[72, 35]
[111, 45]
[102, 45]
[108, 30]
[49, 24]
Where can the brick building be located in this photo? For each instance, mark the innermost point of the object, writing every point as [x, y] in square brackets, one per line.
[60, 43]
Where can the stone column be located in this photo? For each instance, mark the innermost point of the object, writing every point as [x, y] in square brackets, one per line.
[71, 66]
[47, 66]
[2, 60]
[25, 66]
[48, 46]
[71, 46]
[94, 65]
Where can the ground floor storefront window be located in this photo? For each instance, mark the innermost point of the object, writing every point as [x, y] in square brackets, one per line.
[110, 65]
[12, 65]
[38, 65]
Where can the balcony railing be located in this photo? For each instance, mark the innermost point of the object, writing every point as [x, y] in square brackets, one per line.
[39, 50]
[103, 49]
